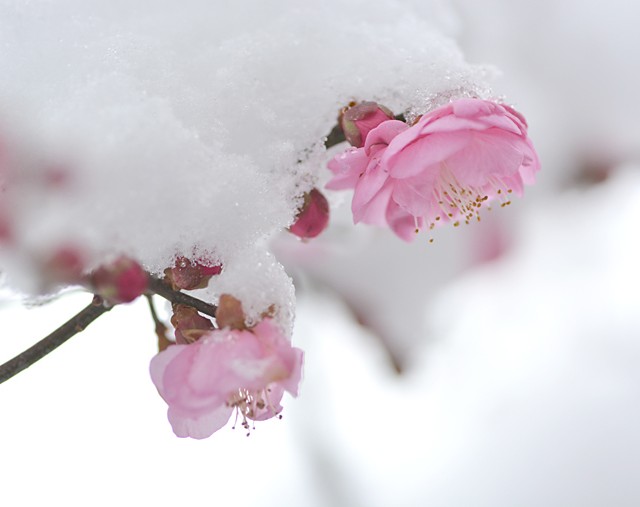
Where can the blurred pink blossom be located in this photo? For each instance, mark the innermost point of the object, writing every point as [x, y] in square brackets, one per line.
[225, 371]
[442, 168]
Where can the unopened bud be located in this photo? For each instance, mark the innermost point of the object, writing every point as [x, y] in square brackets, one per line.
[357, 121]
[121, 281]
[230, 313]
[313, 216]
[188, 275]
[189, 324]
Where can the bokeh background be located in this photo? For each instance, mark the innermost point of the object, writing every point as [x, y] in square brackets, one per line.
[495, 367]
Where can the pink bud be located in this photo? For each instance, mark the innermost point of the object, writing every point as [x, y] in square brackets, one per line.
[121, 281]
[187, 275]
[313, 216]
[358, 120]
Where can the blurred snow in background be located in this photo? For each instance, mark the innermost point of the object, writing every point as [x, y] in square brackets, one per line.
[519, 383]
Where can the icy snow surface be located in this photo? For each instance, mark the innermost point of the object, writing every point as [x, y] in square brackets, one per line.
[156, 128]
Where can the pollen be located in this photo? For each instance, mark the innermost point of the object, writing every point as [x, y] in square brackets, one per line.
[461, 202]
[248, 405]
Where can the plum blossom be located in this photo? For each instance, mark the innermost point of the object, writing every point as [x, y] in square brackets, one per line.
[443, 168]
[226, 371]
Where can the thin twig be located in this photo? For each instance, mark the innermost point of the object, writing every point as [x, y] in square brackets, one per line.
[160, 328]
[77, 323]
[159, 287]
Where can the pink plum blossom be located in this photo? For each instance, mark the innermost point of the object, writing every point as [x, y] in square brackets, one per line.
[226, 371]
[443, 168]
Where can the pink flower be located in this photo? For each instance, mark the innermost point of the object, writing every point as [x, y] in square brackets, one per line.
[225, 371]
[442, 168]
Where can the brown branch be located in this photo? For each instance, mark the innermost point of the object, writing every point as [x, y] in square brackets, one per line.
[70, 328]
[159, 287]
[160, 328]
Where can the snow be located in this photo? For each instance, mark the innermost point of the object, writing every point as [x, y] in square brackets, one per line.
[194, 129]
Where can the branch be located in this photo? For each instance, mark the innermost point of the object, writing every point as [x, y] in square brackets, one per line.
[70, 328]
[159, 287]
[160, 328]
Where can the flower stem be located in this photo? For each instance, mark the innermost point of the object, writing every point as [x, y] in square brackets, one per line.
[77, 323]
[86, 316]
[160, 328]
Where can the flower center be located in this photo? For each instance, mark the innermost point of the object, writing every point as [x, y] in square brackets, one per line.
[464, 202]
[248, 405]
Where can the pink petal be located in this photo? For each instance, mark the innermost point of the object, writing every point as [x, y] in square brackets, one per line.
[347, 168]
[374, 211]
[199, 427]
[401, 222]
[159, 364]
[404, 161]
[369, 184]
[292, 383]
[493, 152]
[467, 108]
[414, 195]
[383, 134]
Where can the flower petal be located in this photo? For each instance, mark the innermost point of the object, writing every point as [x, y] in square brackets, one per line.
[199, 427]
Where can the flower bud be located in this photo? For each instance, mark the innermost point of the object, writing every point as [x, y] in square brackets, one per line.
[121, 281]
[188, 275]
[312, 217]
[358, 120]
[230, 313]
[189, 324]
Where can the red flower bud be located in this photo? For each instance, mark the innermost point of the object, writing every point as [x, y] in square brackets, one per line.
[188, 275]
[358, 120]
[121, 281]
[313, 216]
[189, 324]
